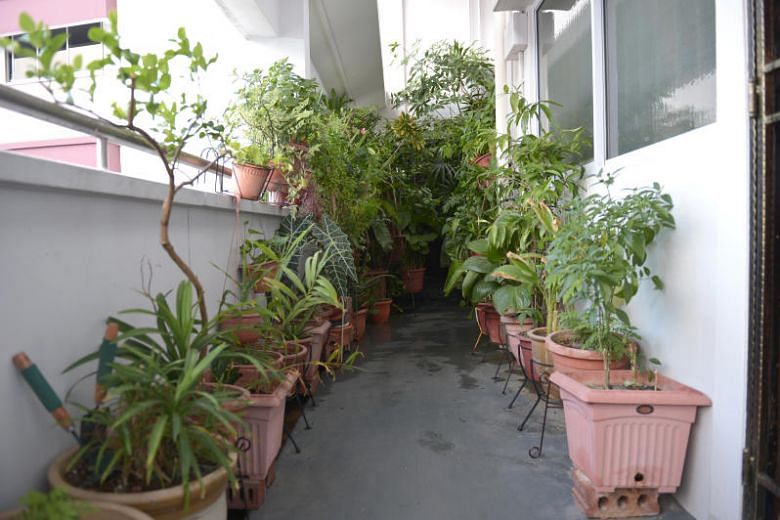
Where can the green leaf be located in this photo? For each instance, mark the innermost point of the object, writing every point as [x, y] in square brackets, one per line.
[26, 23]
[483, 290]
[478, 264]
[657, 282]
[480, 246]
[454, 276]
[154, 443]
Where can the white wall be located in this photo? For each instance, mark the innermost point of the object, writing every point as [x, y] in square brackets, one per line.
[698, 325]
[71, 247]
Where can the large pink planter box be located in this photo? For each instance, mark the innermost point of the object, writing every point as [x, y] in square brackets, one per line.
[264, 419]
[628, 438]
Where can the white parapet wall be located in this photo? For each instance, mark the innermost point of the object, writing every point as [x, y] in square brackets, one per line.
[72, 244]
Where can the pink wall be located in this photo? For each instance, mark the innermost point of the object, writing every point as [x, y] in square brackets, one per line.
[52, 12]
[76, 150]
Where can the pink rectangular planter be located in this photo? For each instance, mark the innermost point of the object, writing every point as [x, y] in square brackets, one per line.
[319, 337]
[264, 419]
[628, 438]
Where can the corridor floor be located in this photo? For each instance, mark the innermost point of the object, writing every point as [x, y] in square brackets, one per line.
[422, 431]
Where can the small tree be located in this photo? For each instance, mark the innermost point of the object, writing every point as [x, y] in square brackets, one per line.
[165, 125]
[598, 260]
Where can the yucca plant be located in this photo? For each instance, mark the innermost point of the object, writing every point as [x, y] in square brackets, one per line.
[161, 426]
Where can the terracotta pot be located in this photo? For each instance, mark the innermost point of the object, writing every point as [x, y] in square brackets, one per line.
[261, 272]
[627, 438]
[399, 249]
[278, 188]
[162, 504]
[414, 280]
[483, 161]
[319, 335]
[379, 286]
[380, 311]
[337, 315]
[249, 377]
[294, 353]
[359, 322]
[264, 420]
[94, 511]
[243, 327]
[251, 180]
[233, 405]
[341, 335]
[567, 358]
[479, 312]
[541, 366]
[513, 330]
[489, 321]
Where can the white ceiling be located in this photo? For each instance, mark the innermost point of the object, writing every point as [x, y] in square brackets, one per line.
[345, 48]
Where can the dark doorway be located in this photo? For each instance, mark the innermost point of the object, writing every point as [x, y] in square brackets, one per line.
[761, 469]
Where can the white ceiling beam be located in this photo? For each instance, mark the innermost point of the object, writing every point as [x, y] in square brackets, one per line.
[253, 18]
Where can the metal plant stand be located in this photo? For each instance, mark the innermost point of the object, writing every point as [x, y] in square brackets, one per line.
[522, 386]
[542, 387]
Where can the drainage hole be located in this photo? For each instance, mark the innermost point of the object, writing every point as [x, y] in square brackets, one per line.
[622, 502]
[639, 477]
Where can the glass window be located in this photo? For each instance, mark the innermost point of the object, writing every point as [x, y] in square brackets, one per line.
[660, 66]
[565, 63]
[77, 43]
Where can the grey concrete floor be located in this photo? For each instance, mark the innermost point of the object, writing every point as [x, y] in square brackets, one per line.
[422, 431]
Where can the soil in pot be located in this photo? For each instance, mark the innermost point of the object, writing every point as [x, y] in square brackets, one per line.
[414, 280]
[251, 180]
[380, 312]
[244, 327]
[163, 504]
[567, 355]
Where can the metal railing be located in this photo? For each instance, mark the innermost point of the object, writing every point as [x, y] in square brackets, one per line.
[29, 105]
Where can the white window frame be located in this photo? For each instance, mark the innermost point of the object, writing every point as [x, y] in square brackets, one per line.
[25, 80]
[599, 74]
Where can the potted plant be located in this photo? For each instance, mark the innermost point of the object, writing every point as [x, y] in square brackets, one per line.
[60, 505]
[597, 261]
[252, 169]
[278, 109]
[243, 319]
[294, 305]
[163, 433]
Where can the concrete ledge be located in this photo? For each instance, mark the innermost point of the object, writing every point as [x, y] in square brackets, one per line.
[21, 170]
